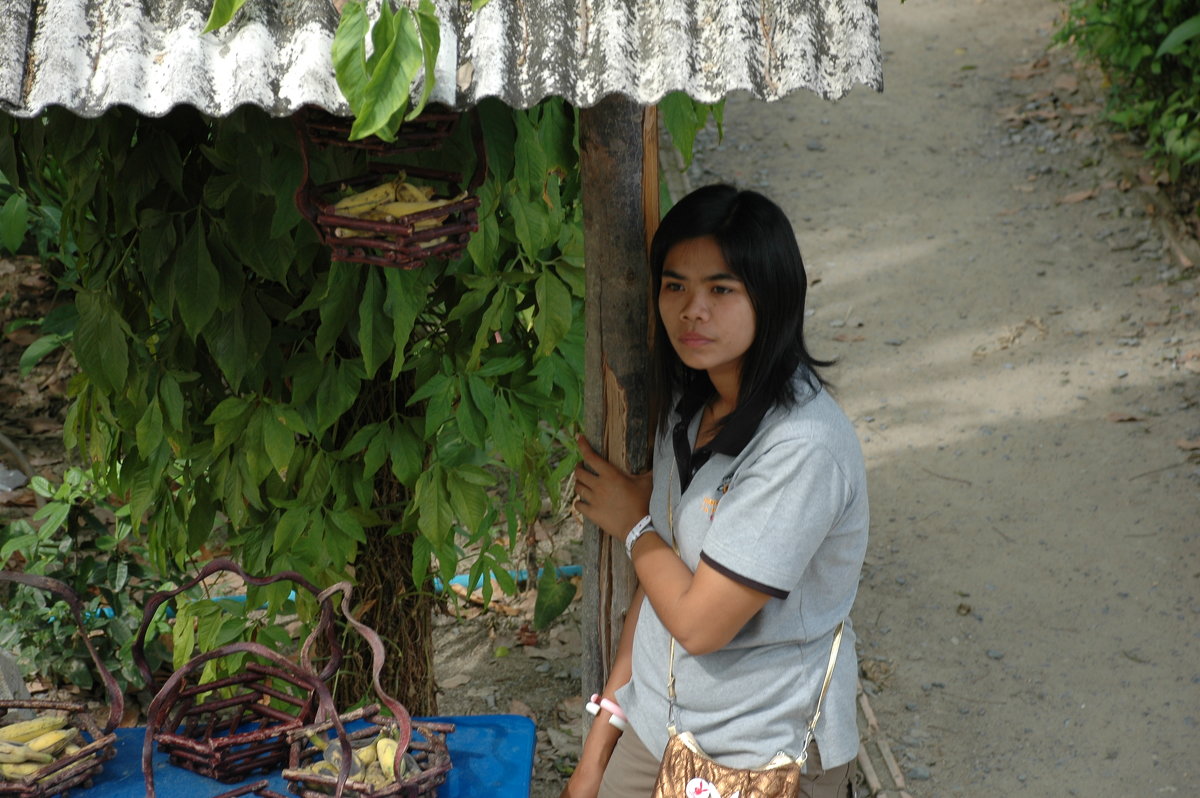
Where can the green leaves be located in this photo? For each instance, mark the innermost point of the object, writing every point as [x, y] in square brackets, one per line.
[553, 319]
[14, 222]
[554, 595]
[100, 345]
[1149, 51]
[222, 11]
[279, 430]
[242, 387]
[196, 281]
[378, 87]
[1180, 35]
[374, 325]
[684, 118]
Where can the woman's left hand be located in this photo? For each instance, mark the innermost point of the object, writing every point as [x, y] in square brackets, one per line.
[608, 497]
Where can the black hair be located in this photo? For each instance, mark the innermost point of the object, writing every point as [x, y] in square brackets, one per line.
[759, 246]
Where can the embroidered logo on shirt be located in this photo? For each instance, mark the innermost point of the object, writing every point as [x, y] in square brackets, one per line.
[709, 503]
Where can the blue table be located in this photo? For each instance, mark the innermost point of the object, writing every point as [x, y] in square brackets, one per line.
[492, 755]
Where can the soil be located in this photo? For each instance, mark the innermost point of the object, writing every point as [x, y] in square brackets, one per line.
[1012, 301]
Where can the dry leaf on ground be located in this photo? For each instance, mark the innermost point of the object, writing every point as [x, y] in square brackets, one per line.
[1079, 196]
[451, 682]
[1067, 82]
[519, 707]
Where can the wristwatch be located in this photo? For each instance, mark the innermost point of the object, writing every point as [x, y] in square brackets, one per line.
[639, 529]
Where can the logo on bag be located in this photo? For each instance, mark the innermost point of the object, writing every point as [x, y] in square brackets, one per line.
[699, 788]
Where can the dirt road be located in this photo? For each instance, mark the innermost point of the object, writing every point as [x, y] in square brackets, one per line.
[1020, 352]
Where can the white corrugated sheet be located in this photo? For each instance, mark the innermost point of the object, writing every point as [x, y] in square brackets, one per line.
[89, 55]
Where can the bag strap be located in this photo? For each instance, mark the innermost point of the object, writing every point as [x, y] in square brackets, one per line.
[672, 727]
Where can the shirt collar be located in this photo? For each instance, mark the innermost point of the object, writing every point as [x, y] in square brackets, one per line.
[730, 440]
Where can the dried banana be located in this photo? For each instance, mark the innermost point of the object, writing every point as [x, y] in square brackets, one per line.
[16, 771]
[386, 748]
[389, 202]
[53, 742]
[374, 763]
[26, 730]
[363, 201]
[17, 753]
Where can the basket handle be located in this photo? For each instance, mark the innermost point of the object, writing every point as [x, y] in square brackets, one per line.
[225, 564]
[158, 710]
[116, 699]
[399, 712]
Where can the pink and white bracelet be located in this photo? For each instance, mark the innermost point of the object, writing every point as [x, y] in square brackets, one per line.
[617, 717]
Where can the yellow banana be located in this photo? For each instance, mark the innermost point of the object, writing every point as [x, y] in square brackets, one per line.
[394, 208]
[16, 753]
[386, 749]
[363, 201]
[53, 742]
[407, 191]
[26, 730]
[70, 749]
[404, 208]
[15, 771]
[374, 776]
[367, 754]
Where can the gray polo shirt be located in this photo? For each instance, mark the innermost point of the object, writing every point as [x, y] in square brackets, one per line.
[786, 514]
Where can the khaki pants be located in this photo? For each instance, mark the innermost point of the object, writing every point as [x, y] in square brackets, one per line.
[632, 770]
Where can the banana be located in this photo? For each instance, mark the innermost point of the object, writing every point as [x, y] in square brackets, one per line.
[408, 191]
[333, 756]
[386, 749]
[367, 755]
[397, 209]
[363, 201]
[16, 771]
[26, 730]
[53, 742]
[322, 768]
[17, 753]
[374, 776]
[71, 749]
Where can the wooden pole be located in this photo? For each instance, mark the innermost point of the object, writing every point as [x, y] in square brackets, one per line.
[619, 163]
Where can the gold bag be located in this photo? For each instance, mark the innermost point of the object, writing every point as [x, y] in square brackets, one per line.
[687, 772]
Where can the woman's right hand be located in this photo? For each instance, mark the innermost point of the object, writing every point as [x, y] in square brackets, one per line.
[608, 497]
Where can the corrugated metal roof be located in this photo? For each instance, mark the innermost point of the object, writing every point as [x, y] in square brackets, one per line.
[89, 55]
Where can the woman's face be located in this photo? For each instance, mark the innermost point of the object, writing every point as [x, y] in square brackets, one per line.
[705, 309]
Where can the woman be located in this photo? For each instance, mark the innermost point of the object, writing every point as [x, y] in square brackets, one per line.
[758, 479]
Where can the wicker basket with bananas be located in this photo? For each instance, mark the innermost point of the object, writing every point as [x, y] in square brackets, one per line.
[371, 752]
[49, 747]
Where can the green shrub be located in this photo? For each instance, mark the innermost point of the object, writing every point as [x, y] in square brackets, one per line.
[1150, 53]
[82, 538]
